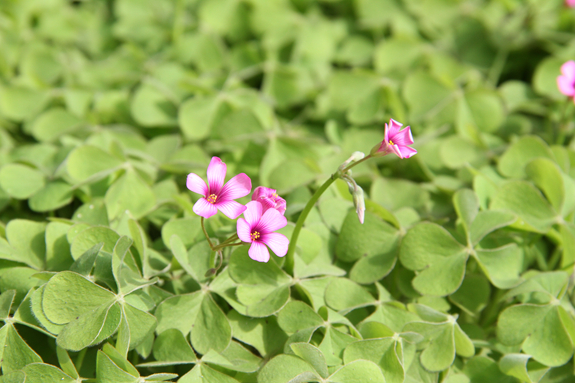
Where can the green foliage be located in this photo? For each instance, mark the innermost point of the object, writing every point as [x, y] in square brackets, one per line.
[461, 273]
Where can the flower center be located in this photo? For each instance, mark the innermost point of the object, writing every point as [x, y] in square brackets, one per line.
[255, 235]
[212, 198]
[391, 142]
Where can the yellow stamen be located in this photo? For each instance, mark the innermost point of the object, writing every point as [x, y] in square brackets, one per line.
[391, 142]
[255, 235]
[212, 198]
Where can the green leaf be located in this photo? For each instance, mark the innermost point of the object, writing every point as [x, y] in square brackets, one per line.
[129, 195]
[545, 77]
[356, 372]
[52, 196]
[90, 328]
[466, 206]
[91, 236]
[312, 355]
[512, 163]
[140, 324]
[487, 221]
[109, 372]
[89, 162]
[20, 181]
[41, 373]
[66, 363]
[430, 248]
[427, 97]
[84, 264]
[18, 103]
[53, 123]
[68, 295]
[373, 238]
[333, 344]
[151, 108]
[296, 316]
[202, 373]
[526, 201]
[482, 369]
[6, 300]
[171, 348]
[212, 330]
[264, 334]
[14, 352]
[383, 353]
[515, 365]
[196, 262]
[287, 368]
[440, 353]
[13, 377]
[344, 295]
[547, 176]
[197, 115]
[27, 239]
[502, 265]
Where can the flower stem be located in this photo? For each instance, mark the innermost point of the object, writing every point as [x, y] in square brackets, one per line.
[206, 234]
[289, 264]
[356, 163]
[219, 247]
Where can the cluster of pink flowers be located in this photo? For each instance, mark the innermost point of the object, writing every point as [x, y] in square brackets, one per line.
[262, 216]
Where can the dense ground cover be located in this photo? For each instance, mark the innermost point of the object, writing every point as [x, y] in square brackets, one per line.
[461, 272]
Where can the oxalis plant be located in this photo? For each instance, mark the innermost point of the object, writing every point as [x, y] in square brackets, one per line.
[187, 191]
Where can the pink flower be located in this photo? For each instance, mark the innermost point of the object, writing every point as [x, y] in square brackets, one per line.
[570, 3]
[566, 82]
[395, 141]
[269, 199]
[218, 196]
[258, 230]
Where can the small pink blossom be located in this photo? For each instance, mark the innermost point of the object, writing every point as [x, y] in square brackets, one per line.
[269, 199]
[258, 229]
[570, 3]
[566, 82]
[216, 195]
[395, 141]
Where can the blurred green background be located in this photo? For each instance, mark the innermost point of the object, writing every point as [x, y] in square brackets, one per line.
[107, 105]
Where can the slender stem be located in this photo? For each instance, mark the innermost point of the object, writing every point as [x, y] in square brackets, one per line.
[289, 264]
[356, 163]
[206, 234]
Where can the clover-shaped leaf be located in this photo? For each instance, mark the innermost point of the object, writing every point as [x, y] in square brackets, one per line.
[444, 335]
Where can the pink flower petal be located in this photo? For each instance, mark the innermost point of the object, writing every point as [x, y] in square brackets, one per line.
[395, 149]
[565, 85]
[196, 184]
[262, 191]
[385, 137]
[407, 152]
[238, 187]
[259, 252]
[272, 220]
[277, 242]
[568, 69]
[394, 128]
[267, 203]
[231, 209]
[216, 175]
[403, 137]
[204, 209]
[244, 230]
[253, 213]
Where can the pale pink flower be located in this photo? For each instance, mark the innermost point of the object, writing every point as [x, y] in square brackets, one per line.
[258, 229]
[395, 141]
[566, 82]
[216, 195]
[570, 3]
[269, 198]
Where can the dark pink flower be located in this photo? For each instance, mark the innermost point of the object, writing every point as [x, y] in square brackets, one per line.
[218, 196]
[258, 229]
[269, 198]
[566, 82]
[570, 3]
[395, 141]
